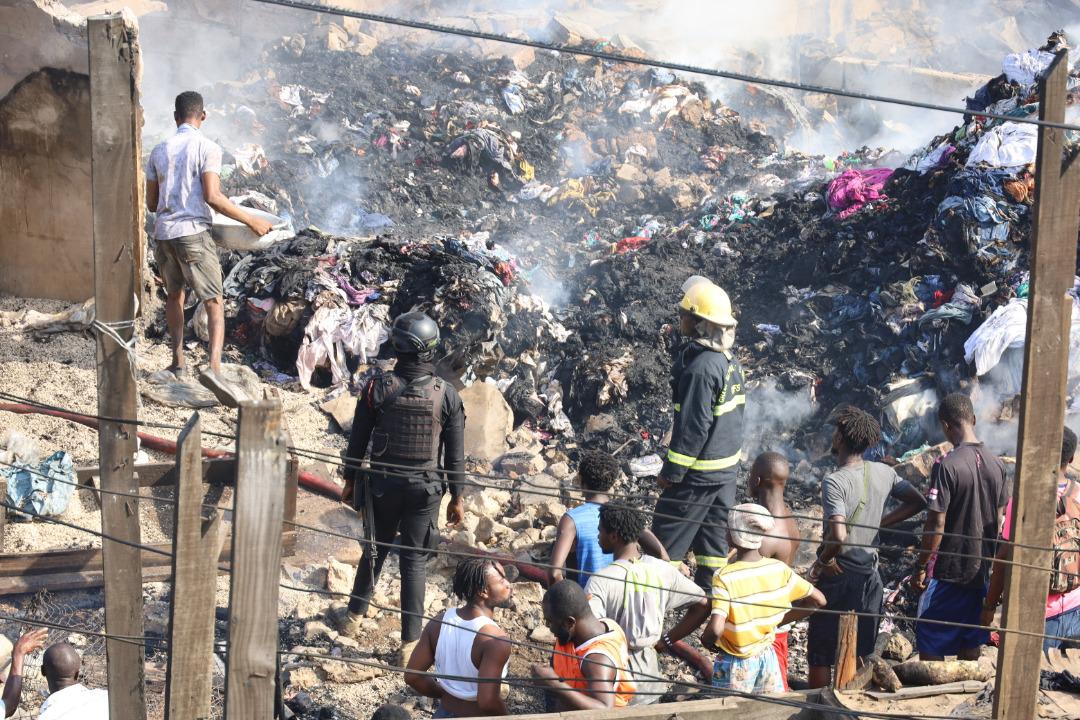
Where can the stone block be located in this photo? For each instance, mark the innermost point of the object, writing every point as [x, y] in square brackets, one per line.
[522, 463]
[339, 577]
[488, 421]
[539, 490]
[917, 469]
[363, 44]
[341, 409]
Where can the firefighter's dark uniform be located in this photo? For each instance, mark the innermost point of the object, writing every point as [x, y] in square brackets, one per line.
[416, 420]
[704, 454]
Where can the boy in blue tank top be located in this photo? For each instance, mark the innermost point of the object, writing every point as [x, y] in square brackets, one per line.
[579, 528]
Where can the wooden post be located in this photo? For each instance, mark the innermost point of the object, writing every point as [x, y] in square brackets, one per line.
[846, 645]
[256, 561]
[3, 512]
[292, 482]
[116, 198]
[196, 544]
[1042, 409]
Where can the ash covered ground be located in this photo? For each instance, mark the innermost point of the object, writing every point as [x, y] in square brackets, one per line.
[548, 215]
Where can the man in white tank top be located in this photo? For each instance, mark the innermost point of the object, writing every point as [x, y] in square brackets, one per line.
[464, 644]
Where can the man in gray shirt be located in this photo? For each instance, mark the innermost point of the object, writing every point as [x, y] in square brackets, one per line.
[853, 503]
[638, 592]
[182, 184]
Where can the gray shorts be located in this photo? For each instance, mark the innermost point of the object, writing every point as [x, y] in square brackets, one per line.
[191, 260]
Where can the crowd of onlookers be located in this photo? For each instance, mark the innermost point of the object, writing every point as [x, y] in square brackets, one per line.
[613, 586]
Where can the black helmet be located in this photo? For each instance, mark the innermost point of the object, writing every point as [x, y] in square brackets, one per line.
[414, 333]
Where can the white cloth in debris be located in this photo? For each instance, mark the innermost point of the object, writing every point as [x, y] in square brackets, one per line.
[1009, 145]
[76, 702]
[931, 160]
[1006, 329]
[177, 166]
[1025, 67]
[333, 332]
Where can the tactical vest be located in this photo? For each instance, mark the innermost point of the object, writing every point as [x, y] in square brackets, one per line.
[408, 424]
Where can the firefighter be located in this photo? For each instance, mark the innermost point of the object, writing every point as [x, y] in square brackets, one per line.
[415, 423]
[698, 477]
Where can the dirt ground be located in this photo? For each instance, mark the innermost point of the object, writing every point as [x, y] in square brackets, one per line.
[58, 370]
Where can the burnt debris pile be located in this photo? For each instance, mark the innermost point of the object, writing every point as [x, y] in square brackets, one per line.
[546, 209]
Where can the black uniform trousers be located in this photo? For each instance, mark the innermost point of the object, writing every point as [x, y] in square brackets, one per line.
[693, 516]
[411, 511]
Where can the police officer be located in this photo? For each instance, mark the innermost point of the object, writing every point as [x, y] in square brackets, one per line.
[415, 423]
[698, 477]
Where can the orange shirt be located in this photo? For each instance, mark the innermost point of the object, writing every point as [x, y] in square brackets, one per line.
[611, 645]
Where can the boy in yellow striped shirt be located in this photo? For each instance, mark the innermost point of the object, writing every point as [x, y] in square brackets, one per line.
[751, 597]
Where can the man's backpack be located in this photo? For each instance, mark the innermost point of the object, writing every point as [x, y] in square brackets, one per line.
[1066, 568]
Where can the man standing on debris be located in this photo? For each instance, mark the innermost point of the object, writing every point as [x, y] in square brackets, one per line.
[464, 643]
[698, 477]
[638, 592]
[415, 423]
[968, 494]
[768, 478]
[182, 184]
[853, 502]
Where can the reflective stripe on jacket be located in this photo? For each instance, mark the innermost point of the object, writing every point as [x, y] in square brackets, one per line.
[709, 393]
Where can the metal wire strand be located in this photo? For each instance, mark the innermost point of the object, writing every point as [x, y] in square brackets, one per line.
[650, 62]
[703, 523]
[705, 689]
[674, 591]
[363, 464]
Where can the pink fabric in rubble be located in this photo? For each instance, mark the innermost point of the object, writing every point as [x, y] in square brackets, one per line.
[852, 189]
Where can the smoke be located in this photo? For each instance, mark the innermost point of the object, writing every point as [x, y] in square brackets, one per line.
[936, 52]
[549, 288]
[773, 415]
[997, 433]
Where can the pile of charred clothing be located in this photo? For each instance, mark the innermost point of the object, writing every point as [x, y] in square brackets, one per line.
[547, 210]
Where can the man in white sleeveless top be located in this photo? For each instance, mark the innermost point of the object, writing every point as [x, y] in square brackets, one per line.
[464, 644]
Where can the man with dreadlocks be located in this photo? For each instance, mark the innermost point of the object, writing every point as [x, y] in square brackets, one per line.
[853, 502]
[464, 644]
[698, 478]
[638, 592]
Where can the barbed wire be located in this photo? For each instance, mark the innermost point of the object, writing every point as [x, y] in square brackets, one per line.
[641, 584]
[526, 682]
[523, 682]
[119, 493]
[461, 554]
[366, 464]
[99, 533]
[133, 639]
[104, 418]
[537, 683]
[377, 466]
[906, 551]
[703, 523]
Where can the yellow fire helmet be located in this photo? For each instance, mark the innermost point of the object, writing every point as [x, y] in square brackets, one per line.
[708, 301]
